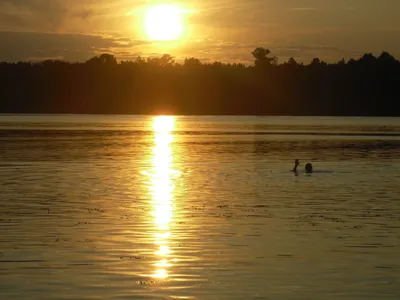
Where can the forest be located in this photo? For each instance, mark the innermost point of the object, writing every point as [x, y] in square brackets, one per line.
[368, 86]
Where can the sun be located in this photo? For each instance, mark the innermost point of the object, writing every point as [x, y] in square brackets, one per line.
[164, 22]
[162, 124]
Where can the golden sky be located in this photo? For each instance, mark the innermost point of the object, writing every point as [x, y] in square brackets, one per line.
[214, 29]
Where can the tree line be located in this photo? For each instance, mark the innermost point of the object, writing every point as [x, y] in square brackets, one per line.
[368, 86]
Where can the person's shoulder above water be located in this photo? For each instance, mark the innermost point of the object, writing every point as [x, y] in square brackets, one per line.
[296, 164]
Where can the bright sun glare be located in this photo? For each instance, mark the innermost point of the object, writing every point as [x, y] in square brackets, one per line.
[164, 22]
[163, 124]
[162, 192]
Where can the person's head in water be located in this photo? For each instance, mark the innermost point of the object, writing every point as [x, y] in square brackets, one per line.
[309, 168]
[296, 164]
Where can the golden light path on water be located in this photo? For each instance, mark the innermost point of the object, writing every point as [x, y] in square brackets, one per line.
[162, 192]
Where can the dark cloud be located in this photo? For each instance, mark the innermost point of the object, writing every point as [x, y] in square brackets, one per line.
[16, 46]
[304, 9]
[210, 50]
[229, 29]
[44, 15]
[307, 53]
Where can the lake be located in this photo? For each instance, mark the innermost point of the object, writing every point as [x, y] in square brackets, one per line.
[139, 207]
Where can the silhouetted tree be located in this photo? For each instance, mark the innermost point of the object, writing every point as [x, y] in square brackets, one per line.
[163, 61]
[316, 62]
[104, 59]
[192, 62]
[261, 58]
[386, 58]
[292, 62]
[364, 86]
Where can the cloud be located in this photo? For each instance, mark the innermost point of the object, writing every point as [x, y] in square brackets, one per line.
[65, 15]
[241, 52]
[304, 53]
[304, 9]
[48, 15]
[228, 30]
[228, 51]
[43, 14]
[22, 46]
[17, 46]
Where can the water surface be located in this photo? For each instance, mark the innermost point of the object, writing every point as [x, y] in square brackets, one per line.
[118, 207]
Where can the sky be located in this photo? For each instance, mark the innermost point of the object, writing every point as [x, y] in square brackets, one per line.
[215, 30]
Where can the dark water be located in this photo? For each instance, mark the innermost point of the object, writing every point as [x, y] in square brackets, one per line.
[107, 207]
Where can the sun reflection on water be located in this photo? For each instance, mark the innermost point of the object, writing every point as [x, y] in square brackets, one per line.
[162, 192]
